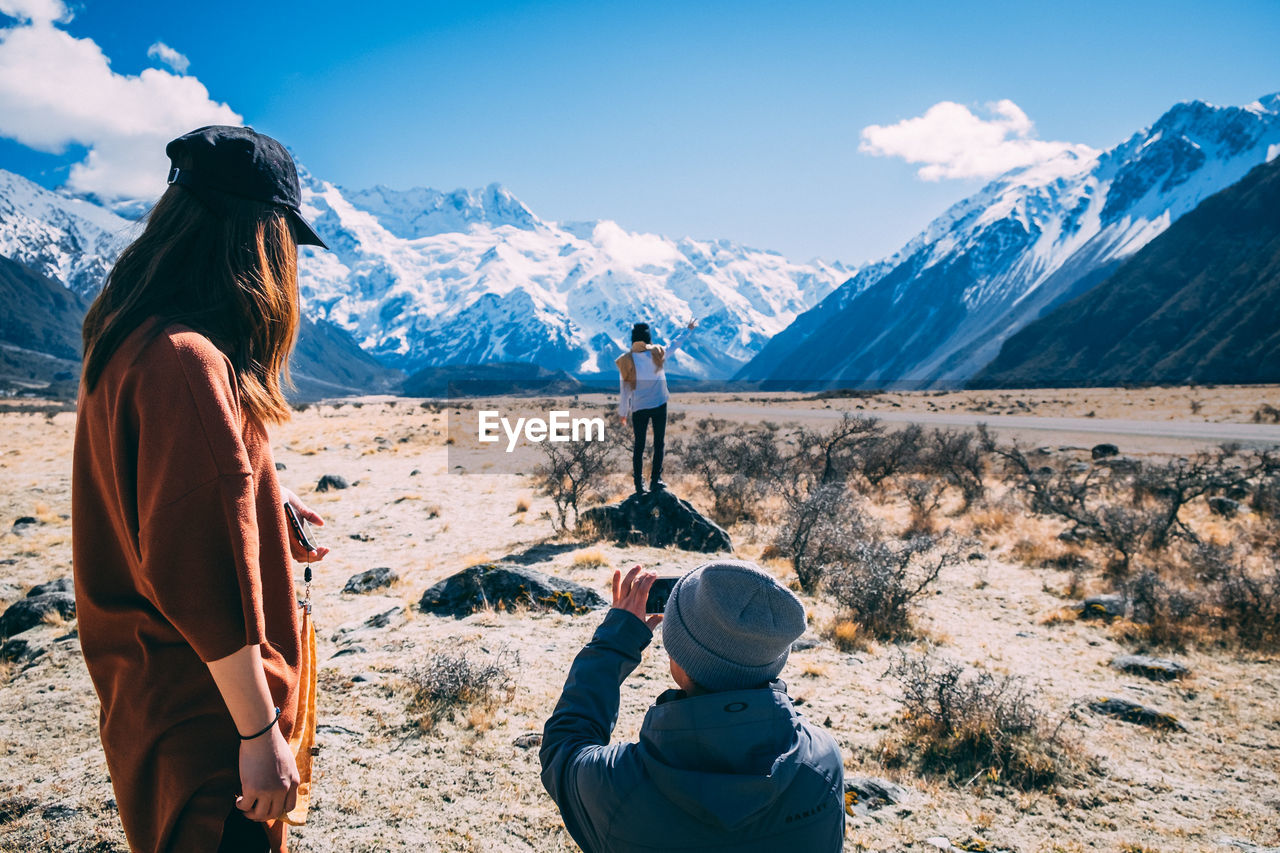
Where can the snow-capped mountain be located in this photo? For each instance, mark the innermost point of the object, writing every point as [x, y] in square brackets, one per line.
[939, 310]
[66, 239]
[423, 278]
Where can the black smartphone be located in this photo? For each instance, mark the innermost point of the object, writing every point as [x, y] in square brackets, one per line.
[659, 593]
[299, 531]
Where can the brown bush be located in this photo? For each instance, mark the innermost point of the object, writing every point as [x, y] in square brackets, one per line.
[877, 581]
[451, 680]
[969, 725]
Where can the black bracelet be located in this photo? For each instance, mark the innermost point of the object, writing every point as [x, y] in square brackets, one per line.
[274, 720]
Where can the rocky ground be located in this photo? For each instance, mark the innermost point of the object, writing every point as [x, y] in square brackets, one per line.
[387, 781]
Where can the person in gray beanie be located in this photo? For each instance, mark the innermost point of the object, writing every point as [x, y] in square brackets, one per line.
[724, 762]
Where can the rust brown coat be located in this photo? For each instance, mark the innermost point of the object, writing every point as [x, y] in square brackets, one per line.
[181, 557]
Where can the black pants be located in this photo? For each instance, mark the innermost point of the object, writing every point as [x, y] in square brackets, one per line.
[640, 420]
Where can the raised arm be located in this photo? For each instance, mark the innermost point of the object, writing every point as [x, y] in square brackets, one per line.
[578, 731]
[682, 337]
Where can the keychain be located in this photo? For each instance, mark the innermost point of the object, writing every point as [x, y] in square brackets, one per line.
[301, 531]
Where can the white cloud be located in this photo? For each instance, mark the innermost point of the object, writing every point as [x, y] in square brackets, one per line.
[953, 142]
[170, 57]
[37, 11]
[57, 90]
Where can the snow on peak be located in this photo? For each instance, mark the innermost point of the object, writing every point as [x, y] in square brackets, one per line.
[424, 212]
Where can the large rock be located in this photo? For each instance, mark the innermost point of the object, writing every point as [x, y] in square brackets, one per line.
[26, 613]
[331, 482]
[1107, 607]
[866, 794]
[1102, 451]
[1132, 712]
[368, 581]
[659, 519]
[1157, 669]
[507, 587]
[63, 584]
[1225, 507]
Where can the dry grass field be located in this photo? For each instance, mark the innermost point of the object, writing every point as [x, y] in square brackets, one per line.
[389, 778]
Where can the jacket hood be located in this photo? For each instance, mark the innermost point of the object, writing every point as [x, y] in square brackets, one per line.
[724, 757]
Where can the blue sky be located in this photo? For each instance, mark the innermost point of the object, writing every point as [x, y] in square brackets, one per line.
[735, 119]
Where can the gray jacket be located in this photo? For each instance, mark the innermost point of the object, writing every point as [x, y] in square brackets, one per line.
[738, 770]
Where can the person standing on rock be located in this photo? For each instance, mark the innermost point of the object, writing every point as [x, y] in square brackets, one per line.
[184, 585]
[723, 763]
[643, 396]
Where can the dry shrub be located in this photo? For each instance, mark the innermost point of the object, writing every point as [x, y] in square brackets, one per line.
[451, 681]
[964, 725]
[573, 471]
[877, 580]
[589, 559]
[824, 528]
[736, 466]
[846, 636]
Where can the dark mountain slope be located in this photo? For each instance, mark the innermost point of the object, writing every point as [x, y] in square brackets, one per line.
[1200, 303]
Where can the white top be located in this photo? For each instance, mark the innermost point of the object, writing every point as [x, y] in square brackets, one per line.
[651, 383]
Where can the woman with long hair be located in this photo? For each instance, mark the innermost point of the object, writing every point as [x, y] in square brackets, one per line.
[184, 585]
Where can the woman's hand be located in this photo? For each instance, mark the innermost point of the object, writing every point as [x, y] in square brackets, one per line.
[631, 592]
[268, 777]
[305, 513]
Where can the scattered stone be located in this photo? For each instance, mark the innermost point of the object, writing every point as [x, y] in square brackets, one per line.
[658, 519]
[1157, 669]
[1132, 712]
[26, 613]
[58, 812]
[349, 650]
[23, 524]
[332, 481]
[13, 808]
[20, 650]
[1074, 536]
[975, 556]
[1078, 467]
[360, 537]
[1110, 606]
[383, 619]
[1225, 507]
[371, 579]
[359, 679]
[529, 740]
[506, 587]
[59, 585]
[805, 642]
[415, 472]
[866, 794]
[1102, 451]
[1121, 464]
[543, 552]
[280, 466]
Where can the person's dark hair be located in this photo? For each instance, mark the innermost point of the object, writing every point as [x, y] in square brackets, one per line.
[640, 332]
[231, 277]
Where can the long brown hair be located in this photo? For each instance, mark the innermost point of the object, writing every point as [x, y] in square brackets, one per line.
[231, 277]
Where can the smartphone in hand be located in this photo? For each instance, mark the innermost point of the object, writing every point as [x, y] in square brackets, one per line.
[299, 529]
[659, 593]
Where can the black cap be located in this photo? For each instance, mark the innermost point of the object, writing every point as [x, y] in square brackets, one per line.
[240, 162]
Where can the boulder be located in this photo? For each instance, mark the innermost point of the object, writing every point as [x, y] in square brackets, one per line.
[1157, 669]
[507, 587]
[659, 519]
[1225, 507]
[1108, 607]
[1132, 712]
[59, 585]
[368, 581]
[26, 613]
[1102, 451]
[23, 524]
[332, 481]
[280, 466]
[866, 794]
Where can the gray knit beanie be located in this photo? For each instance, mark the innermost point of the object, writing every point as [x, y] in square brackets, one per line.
[730, 625]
